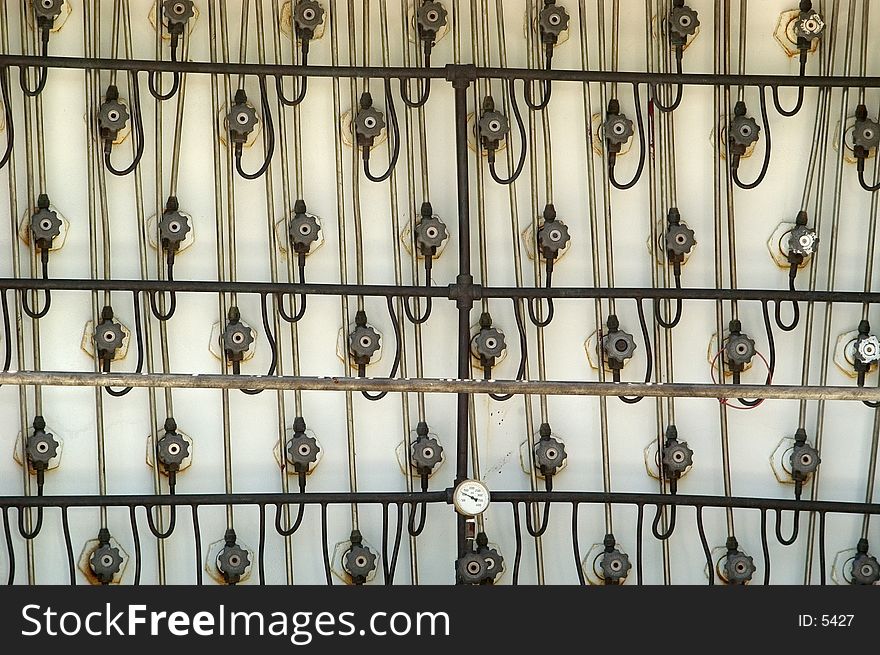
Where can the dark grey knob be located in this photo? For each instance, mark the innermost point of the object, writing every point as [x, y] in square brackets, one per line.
[108, 338]
[426, 453]
[489, 344]
[431, 232]
[172, 450]
[363, 342]
[615, 565]
[303, 231]
[471, 568]
[173, 228]
[45, 226]
[105, 562]
[865, 570]
[492, 127]
[739, 349]
[550, 455]
[618, 129]
[359, 562]
[237, 339]
[677, 458]
[618, 345]
[430, 19]
[308, 15]
[368, 124]
[866, 134]
[744, 131]
[493, 560]
[302, 451]
[679, 240]
[241, 121]
[804, 460]
[232, 562]
[178, 12]
[40, 448]
[112, 117]
[682, 23]
[553, 236]
[738, 567]
[553, 20]
[47, 9]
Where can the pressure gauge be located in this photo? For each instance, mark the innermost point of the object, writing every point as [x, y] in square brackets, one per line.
[471, 498]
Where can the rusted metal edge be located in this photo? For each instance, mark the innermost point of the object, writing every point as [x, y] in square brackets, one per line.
[438, 385]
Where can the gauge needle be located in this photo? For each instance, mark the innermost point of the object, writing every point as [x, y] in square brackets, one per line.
[473, 498]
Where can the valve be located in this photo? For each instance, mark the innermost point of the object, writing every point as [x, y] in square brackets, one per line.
[105, 561]
[617, 128]
[47, 10]
[488, 344]
[553, 20]
[40, 448]
[232, 560]
[302, 449]
[173, 226]
[491, 557]
[178, 13]
[237, 337]
[681, 23]
[308, 16]
[108, 336]
[804, 460]
[866, 350]
[363, 341]
[303, 229]
[492, 127]
[809, 24]
[676, 457]
[359, 561]
[738, 567]
[865, 568]
[679, 238]
[866, 133]
[549, 452]
[471, 568]
[739, 349]
[742, 132]
[430, 232]
[431, 17]
[241, 120]
[426, 453]
[45, 225]
[802, 240]
[618, 346]
[615, 564]
[479, 566]
[172, 449]
[112, 117]
[368, 123]
[553, 235]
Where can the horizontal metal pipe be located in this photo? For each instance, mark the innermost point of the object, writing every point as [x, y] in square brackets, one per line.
[308, 498]
[445, 496]
[450, 292]
[438, 385]
[449, 72]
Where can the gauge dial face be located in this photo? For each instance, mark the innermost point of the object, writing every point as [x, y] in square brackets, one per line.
[471, 498]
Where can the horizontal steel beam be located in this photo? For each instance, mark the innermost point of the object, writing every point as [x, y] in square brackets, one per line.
[388, 498]
[438, 385]
[450, 72]
[450, 292]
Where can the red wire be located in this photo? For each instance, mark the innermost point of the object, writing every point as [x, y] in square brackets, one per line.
[724, 401]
